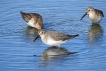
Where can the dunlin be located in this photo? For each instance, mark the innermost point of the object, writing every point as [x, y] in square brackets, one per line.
[94, 15]
[32, 19]
[53, 38]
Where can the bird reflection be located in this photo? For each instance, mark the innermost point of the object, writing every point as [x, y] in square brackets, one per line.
[31, 32]
[95, 33]
[54, 53]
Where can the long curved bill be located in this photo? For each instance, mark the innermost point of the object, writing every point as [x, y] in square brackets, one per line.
[36, 38]
[83, 16]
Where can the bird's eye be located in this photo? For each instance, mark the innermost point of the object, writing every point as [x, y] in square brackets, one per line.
[42, 32]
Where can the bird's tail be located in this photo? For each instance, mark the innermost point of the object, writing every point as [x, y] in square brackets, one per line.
[72, 36]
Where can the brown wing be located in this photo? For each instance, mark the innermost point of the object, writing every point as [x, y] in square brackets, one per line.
[38, 19]
[99, 12]
[26, 16]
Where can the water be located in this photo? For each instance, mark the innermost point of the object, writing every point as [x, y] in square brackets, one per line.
[17, 48]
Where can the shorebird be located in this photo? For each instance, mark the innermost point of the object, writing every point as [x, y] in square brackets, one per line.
[53, 38]
[94, 15]
[32, 19]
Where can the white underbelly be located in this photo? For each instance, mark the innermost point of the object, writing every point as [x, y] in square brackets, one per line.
[95, 19]
[31, 22]
[52, 42]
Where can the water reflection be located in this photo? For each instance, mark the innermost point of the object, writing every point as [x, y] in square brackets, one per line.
[95, 33]
[54, 53]
[31, 32]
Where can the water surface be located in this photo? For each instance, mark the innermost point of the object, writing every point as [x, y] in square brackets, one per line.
[17, 48]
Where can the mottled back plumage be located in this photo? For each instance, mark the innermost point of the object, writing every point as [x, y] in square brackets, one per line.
[35, 16]
[99, 12]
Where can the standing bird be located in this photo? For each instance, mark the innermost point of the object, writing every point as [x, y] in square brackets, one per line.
[52, 38]
[32, 19]
[94, 15]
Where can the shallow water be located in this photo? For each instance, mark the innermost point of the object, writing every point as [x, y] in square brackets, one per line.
[17, 48]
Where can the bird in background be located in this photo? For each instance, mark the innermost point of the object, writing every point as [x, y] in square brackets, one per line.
[33, 19]
[94, 15]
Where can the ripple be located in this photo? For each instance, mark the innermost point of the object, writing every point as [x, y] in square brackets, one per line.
[17, 48]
